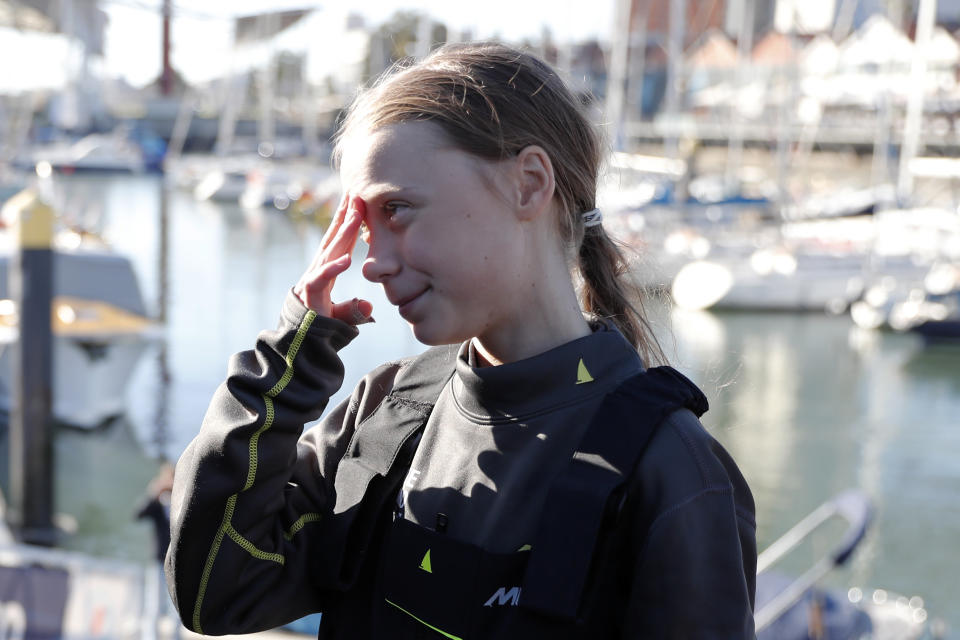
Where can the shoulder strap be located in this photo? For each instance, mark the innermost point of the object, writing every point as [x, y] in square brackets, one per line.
[378, 456]
[579, 502]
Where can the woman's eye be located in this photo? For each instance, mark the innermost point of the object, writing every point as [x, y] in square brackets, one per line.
[393, 209]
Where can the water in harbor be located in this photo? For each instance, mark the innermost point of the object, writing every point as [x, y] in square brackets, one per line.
[806, 404]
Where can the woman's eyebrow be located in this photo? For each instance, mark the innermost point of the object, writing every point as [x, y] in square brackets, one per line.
[380, 191]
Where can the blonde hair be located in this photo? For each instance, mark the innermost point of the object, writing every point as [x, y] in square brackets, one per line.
[492, 101]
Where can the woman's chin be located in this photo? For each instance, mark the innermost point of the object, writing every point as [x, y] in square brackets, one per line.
[433, 336]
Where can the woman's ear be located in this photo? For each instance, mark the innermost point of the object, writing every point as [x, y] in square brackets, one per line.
[535, 182]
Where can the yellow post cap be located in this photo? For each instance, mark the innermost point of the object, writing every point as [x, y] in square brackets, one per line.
[31, 218]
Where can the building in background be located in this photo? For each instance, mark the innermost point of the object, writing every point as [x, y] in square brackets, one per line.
[84, 21]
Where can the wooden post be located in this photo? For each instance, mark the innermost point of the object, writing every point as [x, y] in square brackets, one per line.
[31, 447]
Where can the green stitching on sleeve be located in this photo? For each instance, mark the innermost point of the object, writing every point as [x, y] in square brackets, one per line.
[255, 441]
[226, 526]
[292, 353]
[300, 523]
[251, 549]
[273, 392]
[208, 566]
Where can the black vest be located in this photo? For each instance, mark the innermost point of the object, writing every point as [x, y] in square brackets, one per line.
[401, 580]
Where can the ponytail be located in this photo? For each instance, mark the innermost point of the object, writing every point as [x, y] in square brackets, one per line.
[608, 291]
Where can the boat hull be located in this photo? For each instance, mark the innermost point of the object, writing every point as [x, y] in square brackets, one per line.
[90, 376]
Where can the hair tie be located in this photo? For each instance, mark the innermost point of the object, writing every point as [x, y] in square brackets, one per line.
[592, 218]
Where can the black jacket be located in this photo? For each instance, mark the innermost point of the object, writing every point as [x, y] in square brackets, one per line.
[268, 526]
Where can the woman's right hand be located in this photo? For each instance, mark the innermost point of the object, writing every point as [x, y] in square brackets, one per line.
[332, 259]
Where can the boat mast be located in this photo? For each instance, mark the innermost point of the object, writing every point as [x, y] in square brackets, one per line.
[617, 76]
[674, 90]
[744, 49]
[788, 97]
[166, 76]
[308, 110]
[926, 17]
[638, 62]
[267, 128]
[233, 94]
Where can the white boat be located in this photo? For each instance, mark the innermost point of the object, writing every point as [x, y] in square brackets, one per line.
[819, 265]
[221, 178]
[220, 185]
[933, 310]
[768, 280]
[778, 280]
[100, 330]
[110, 153]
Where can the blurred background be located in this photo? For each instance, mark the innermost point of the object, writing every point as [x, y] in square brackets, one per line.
[785, 173]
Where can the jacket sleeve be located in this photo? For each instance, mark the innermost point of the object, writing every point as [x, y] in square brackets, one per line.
[694, 572]
[251, 498]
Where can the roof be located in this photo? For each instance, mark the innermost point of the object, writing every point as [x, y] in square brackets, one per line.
[263, 26]
[878, 41]
[714, 49]
[943, 48]
[14, 14]
[775, 48]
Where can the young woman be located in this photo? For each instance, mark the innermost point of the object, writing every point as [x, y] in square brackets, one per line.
[532, 479]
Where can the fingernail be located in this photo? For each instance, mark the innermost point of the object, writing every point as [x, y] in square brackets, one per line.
[355, 313]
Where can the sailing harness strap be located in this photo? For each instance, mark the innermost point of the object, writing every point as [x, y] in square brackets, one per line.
[594, 483]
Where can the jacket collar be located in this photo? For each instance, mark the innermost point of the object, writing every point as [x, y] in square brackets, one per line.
[562, 376]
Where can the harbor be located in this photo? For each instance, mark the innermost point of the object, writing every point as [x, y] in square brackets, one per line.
[810, 403]
[787, 193]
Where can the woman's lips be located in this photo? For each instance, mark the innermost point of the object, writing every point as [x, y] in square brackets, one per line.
[406, 305]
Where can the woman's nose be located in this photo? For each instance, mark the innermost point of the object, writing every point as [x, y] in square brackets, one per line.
[381, 261]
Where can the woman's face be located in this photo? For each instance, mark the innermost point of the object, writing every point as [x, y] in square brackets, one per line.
[444, 240]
